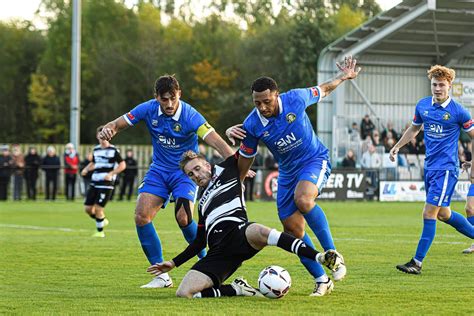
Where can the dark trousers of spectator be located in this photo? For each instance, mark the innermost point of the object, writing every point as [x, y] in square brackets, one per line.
[4, 182]
[51, 187]
[17, 187]
[249, 183]
[127, 183]
[70, 186]
[31, 187]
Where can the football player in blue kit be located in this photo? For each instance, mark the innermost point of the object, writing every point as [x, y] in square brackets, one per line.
[281, 123]
[174, 127]
[442, 119]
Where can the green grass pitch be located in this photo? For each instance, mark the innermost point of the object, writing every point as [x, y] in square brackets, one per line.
[51, 265]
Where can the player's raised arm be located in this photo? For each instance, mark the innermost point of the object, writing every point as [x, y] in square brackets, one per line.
[112, 128]
[348, 71]
[409, 134]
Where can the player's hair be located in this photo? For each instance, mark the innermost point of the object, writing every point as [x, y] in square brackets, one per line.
[264, 83]
[188, 156]
[440, 72]
[166, 83]
[99, 129]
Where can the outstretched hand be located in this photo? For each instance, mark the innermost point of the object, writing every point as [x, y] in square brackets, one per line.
[348, 68]
[235, 132]
[160, 268]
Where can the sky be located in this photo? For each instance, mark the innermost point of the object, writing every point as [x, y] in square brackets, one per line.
[25, 9]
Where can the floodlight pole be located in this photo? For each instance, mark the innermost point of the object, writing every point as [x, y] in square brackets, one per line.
[75, 115]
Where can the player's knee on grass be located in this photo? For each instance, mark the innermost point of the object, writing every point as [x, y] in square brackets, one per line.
[183, 212]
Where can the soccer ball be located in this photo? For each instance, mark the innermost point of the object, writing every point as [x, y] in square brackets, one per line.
[274, 282]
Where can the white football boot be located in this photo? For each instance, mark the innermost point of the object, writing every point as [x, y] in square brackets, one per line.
[242, 288]
[161, 281]
[469, 250]
[323, 288]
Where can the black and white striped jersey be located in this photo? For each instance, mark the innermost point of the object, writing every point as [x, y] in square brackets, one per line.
[105, 160]
[221, 204]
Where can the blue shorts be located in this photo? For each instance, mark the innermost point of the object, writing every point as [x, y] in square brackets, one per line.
[471, 190]
[162, 184]
[439, 186]
[317, 172]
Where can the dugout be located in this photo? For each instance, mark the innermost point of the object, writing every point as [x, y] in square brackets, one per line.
[395, 50]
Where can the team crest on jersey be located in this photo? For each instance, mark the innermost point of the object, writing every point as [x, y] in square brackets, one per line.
[177, 127]
[446, 116]
[290, 117]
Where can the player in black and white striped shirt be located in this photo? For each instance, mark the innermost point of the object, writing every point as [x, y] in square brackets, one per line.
[231, 238]
[106, 165]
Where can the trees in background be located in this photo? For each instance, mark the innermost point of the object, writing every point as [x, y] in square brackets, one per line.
[215, 55]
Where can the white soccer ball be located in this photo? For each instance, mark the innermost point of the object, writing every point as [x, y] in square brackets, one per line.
[274, 282]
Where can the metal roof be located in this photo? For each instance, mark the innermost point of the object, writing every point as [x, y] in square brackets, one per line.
[437, 31]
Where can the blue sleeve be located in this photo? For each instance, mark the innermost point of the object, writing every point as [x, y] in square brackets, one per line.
[249, 145]
[465, 120]
[308, 95]
[417, 120]
[137, 114]
[196, 120]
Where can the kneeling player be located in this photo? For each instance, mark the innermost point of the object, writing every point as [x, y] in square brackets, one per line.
[105, 157]
[232, 239]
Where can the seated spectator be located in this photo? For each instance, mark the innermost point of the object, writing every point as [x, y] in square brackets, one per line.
[354, 132]
[387, 130]
[371, 159]
[366, 127]
[349, 160]
[376, 138]
[412, 147]
[388, 144]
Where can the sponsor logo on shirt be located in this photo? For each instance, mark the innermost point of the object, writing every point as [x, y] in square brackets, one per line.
[266, 134]
[435, 128]
[246, 149]
[177, 127]
[468, 124]
[290, 117]
[446, 116]
[314, 92]
[425, 113]
[167, 142]
[154, 122]
[130, 116]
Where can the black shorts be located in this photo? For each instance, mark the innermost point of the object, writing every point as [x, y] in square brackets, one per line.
[223, 260]
[97, 196]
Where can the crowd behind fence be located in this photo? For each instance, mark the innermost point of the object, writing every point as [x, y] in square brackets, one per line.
[362, 147]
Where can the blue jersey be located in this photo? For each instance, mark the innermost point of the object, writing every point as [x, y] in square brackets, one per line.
[442, 124]
[289, 136]
[171, 135]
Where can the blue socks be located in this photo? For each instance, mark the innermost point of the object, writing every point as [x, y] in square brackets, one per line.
[461, 224]
[189, 233]
[318, 223]
[150, 242]
[427, 236]
[313, 267]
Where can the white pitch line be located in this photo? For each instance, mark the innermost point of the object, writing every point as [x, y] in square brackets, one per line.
[72, 230]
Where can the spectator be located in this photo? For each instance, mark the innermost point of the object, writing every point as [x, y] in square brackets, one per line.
[387, 130]
[51, 165]
[129, 175]
[388, 142]
[71, 165]
[6, 166]
[86, 179]
[376, 138]
[371, 159]
[366, 127]
[32, 164]
[354, 132]
[412, 147]
[349, 160]
[203, 151]
[18, 171]
[270, 163]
